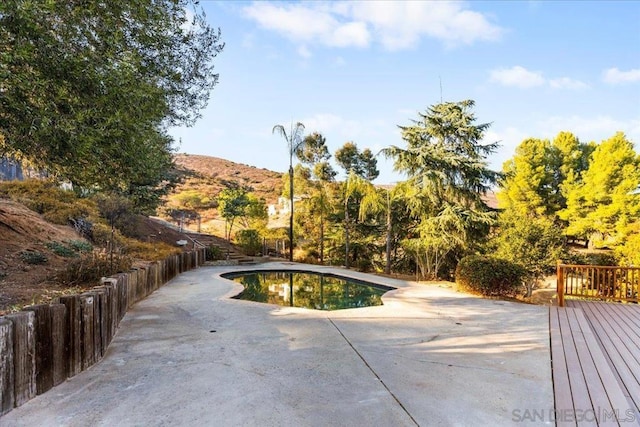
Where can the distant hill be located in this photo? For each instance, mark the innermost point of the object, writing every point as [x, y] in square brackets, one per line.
[211, 175]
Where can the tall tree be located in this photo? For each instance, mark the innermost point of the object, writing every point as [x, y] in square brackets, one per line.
[294, 141]
[528, 179]
[445, 163]
[360, 168]
[540, 174]
[534, 243]
[89, 88]
[232, 204]
[315, 153]
[603, 206]
[362, 163]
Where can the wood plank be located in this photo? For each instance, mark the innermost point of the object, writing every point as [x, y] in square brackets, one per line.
[577, 381]
[586, 356]
[616, 348]
[7, 385]
[626, 330]
[624, 316]
[44, 346]
[74, 334]
[87, 326]
[614, 402]
[101, 322]
[561, 387]
[24, 356]
[625, 343]
[59, 343]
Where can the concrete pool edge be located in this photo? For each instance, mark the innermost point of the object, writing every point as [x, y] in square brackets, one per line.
[447, 357]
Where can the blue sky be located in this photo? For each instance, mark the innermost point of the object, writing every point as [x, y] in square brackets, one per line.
[354, 71]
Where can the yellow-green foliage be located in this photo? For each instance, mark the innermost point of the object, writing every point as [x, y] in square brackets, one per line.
[148, 251]
[602, 204]
[45, 197]
[308, 256]
[629, 252]
[102, 234]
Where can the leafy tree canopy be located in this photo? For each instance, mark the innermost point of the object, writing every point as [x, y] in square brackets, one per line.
[444, 156]
[351, 159]
[88, 88]
[603, 203]
[539, 176]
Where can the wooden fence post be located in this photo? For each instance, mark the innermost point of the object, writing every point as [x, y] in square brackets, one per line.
[24, 356]
[7, 385]
[43, 346]
[87, 303]
[74, 333]
[59, 341]
[560, 284]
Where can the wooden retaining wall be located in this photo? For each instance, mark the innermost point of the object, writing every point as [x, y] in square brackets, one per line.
[43, 345]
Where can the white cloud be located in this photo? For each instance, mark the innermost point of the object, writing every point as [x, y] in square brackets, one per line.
[587, 129]
[567, 83]
[395, 25]
[400, 25]
[518, 76]
[304, 52]
[305, 24]
[616, 76]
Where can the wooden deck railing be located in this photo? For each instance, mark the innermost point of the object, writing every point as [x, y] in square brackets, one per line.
[598, 282]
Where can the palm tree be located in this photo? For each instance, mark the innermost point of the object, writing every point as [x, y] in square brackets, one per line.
[294, 141]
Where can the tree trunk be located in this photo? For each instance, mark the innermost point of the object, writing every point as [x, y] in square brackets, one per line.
[321, 238]
[346, 233]
[387, 267]
[291, 214]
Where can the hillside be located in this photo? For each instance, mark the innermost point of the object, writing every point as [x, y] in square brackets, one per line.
[31, 260]
[24, 233]
[210, 175]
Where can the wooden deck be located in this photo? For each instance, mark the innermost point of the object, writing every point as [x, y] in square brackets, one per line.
[595, 351]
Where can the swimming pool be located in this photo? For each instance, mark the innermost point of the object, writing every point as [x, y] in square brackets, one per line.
[307, 289]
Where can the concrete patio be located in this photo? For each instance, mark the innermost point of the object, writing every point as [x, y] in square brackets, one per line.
[190, 355]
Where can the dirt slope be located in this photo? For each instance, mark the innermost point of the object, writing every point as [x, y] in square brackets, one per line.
[211, 174]
[23, 230]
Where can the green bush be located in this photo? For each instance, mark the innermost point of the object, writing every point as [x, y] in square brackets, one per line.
[595, 258]
[214, 253]
[250, 241]
[489, 276]
[61, 249]
[69, 249]
[33, 257]
[80, 246]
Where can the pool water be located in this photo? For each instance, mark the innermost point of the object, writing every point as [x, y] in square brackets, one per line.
[307, 290]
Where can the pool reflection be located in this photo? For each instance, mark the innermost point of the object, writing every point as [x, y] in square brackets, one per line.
[307, 290]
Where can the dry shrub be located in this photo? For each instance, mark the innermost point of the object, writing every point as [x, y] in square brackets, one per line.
[45, 197]
[149, 251]
[91, 267]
